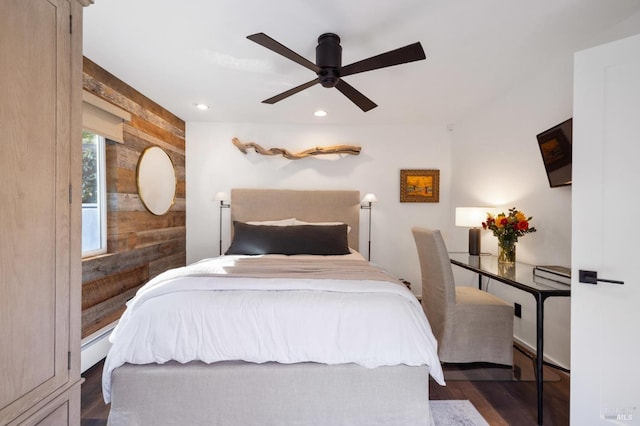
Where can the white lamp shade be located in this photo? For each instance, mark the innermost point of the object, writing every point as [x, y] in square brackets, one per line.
[369, 198]
[221, 196]
[471, 217]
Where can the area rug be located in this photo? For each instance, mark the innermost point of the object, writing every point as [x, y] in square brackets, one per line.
[455, 413]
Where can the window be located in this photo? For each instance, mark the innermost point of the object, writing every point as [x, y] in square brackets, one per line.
[100, 120]
[94, 195]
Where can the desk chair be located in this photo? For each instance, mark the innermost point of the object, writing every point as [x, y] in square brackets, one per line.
[470, 325]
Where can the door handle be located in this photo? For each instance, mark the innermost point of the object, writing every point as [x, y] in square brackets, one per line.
[591, 277]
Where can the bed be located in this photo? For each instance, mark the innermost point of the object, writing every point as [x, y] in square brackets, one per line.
[308, 334]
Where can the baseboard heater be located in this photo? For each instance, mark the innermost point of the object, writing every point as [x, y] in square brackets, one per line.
[94, 347]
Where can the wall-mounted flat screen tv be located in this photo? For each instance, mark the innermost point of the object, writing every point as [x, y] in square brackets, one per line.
[555, 147]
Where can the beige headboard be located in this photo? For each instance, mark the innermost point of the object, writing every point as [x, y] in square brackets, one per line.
[311, 206]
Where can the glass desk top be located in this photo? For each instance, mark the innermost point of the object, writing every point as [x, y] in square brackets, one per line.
[518, 275]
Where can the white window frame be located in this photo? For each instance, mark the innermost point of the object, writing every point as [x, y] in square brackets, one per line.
[101, 163]
[107, 120]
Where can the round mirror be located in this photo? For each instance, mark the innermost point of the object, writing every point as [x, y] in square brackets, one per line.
[156, 180]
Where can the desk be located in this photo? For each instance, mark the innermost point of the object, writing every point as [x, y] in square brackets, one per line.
[520, 276]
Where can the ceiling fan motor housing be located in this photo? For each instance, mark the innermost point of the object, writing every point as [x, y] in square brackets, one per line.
[329, 59]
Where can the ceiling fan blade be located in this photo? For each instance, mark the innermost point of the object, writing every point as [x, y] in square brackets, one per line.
[410, 53]
[266, 41]
[364, 103]
[284, 95]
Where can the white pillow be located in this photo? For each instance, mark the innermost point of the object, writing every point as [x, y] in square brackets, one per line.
[281, 222]
[302, 222]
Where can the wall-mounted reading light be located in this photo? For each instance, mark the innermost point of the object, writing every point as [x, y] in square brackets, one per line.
[222, 197]
[366, 204]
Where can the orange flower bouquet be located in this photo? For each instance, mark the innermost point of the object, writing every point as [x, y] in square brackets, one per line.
[508, 227]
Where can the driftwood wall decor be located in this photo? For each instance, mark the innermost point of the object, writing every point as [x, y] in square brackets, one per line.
[319, 150]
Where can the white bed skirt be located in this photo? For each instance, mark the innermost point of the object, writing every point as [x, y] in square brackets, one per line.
[241, 393]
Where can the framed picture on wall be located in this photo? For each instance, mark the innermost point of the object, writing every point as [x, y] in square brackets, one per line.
[419, 186]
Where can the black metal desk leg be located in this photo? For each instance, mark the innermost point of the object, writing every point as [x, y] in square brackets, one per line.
[539, 352]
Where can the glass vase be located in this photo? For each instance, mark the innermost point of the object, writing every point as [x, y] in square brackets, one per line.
[506, 251]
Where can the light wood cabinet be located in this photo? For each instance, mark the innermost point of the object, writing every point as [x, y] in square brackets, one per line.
[40, 207]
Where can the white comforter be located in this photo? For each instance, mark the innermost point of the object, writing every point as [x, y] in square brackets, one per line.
[198, 313]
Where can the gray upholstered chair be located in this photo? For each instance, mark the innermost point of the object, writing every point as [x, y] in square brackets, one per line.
[470, 325]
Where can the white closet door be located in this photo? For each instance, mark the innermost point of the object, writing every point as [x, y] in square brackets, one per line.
[605, 318]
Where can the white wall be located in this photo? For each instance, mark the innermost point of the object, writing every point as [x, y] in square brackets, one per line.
[496, 162]
[215, 164]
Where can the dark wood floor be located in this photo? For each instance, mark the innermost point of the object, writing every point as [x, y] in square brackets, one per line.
[510, 401]
[500, 400]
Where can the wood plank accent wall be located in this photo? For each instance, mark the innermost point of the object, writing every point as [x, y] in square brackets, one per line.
[140, 245]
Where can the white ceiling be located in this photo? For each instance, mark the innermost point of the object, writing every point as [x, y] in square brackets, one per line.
[179, 53]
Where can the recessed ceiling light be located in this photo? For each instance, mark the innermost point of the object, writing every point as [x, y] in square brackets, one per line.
[202, 107]
[320, 113]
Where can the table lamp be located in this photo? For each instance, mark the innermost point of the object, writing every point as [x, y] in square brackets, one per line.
[472, 217]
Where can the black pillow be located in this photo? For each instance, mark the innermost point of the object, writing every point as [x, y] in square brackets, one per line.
[296, 239]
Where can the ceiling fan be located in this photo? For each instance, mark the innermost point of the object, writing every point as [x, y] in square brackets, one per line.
[329, 67]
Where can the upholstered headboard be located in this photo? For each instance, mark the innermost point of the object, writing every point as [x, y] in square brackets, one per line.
[311, 206]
